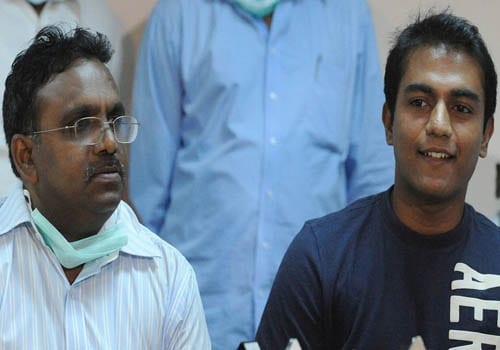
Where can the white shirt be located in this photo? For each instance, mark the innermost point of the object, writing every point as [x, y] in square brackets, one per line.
[144, 297]
[19, 23]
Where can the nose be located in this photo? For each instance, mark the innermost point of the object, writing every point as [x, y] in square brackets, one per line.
[439, 123]
[108, 141]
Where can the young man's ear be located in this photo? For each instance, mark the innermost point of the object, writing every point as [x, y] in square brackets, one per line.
[22, 148]
[387, 120]
[488, 131]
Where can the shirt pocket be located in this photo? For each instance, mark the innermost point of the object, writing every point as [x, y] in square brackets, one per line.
[327, 115]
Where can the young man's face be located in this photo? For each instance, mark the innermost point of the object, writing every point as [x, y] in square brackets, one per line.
[71, 177]
[437, 127]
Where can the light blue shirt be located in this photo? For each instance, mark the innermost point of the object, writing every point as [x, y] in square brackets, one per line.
[144, 297]
[247, 132]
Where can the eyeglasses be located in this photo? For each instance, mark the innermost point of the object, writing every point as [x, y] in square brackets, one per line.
[89, 131]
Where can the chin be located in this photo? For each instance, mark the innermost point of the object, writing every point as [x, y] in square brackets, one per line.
[107, 203]
[439, 192]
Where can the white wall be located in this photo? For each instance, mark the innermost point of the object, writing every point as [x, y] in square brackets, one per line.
[389, 15]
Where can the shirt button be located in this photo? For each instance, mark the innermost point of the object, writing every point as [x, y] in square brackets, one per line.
[265, 245]
[269, 193]
[273, 96]
[273, 140]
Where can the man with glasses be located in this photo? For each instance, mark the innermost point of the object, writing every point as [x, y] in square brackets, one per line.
[22, 19]
[77, 269]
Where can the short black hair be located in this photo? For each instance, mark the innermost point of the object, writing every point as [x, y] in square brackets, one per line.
[51, 52]
[432, 30]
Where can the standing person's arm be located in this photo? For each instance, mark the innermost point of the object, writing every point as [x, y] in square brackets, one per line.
[157, 105]
[370, 164]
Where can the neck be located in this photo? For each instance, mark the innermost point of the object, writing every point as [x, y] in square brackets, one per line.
[38, 8]
[72, 274]
[76, 228]
[72, 224]
[427, 216]
[268, 20]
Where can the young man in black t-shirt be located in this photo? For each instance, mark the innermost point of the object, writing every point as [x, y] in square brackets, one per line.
[416, 259]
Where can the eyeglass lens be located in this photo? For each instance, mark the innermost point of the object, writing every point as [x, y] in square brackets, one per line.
[89, 131]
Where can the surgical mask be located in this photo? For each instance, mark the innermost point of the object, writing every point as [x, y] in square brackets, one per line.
[259, 8]
[37, 2]
[73, 254]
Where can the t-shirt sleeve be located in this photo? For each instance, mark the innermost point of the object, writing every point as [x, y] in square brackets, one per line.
[295, 304]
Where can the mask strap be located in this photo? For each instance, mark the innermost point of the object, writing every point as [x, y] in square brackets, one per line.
[27, 196]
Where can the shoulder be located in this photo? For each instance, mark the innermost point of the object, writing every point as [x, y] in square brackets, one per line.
[192, 12]
[99, 16]
[169, 18]
[355, 10]
[484, 226]
[13, 210]
[172, 8]
[482, 244]
[145, 243]
[335, 234]
[172, 280]
[347, 219]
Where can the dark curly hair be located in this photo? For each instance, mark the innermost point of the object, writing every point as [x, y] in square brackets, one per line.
[453, 32]
[51, 52]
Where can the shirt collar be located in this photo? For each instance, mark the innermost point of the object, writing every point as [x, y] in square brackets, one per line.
[140, 243]
[14, 211]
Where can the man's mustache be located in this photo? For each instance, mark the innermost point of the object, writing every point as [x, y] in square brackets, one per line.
[105, 166]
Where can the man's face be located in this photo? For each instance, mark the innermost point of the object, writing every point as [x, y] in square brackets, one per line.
[437, 127]
[74, 179]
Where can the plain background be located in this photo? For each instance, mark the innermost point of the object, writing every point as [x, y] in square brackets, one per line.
[388, 15]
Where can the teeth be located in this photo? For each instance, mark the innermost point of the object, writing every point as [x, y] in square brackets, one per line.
[437, 155]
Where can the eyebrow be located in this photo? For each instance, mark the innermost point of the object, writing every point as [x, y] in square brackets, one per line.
[91, 109]
[81, 110]
[419, 87]
[466, 93]
[459, 92]
[117, 109]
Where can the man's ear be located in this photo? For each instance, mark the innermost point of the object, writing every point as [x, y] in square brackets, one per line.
[387, 120]
[488, 131]
[22, 148]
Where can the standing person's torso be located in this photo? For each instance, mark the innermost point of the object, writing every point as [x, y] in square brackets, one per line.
[266, 132]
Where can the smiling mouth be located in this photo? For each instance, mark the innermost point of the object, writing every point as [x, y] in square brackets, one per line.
[437, 155]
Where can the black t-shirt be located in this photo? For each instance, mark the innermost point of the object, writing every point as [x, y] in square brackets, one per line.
[360, 279]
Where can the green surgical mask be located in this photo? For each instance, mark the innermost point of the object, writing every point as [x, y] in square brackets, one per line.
[37, 2]
[73, 254]
[259, 8]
